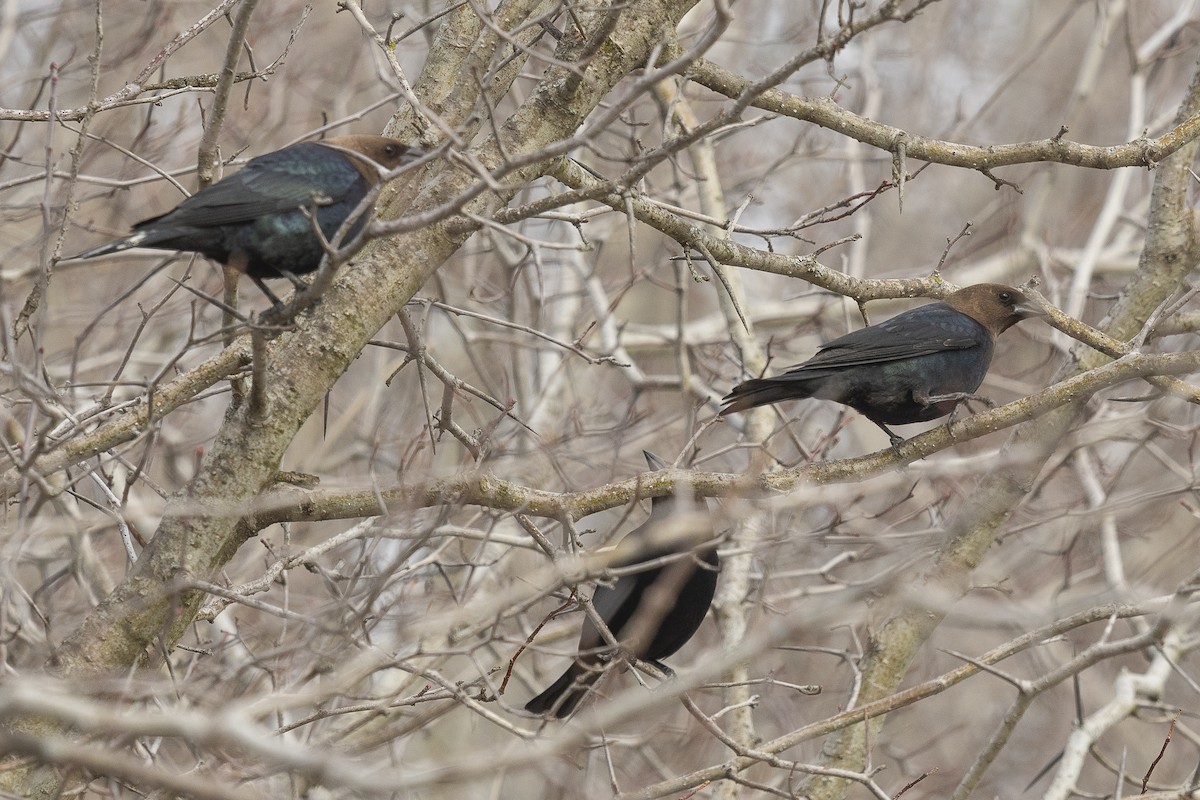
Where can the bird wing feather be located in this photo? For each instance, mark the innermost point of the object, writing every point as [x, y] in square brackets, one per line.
[923, 331]
[271, 184]
[608, 602]
[608, 599]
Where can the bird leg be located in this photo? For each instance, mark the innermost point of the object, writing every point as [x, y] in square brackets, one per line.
[275, 301]
[298, 283]
[282, 313]
[895, 440]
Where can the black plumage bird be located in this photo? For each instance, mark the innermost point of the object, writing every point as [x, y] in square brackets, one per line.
[259, 220]
[651, 612]
[915, 367]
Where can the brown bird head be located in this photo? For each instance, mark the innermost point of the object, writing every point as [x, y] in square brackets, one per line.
[993, 305]
[387, 153]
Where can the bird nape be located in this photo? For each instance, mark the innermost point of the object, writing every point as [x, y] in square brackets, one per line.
[915, 367]
[651, 612]
[260, 220]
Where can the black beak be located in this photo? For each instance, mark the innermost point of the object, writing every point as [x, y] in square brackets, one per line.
[1026, 309]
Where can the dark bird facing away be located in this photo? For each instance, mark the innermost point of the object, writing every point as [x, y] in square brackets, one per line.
[258, 220]
[652, 612]
[915, 367]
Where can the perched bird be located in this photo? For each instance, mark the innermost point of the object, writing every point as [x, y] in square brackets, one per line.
[914, 367]
[259, 220]
[652, 612]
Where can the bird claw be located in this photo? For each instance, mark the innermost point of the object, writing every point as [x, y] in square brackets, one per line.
[964, 399]
[960, 398]
[278, 318]
[663, 668]
[655, 669]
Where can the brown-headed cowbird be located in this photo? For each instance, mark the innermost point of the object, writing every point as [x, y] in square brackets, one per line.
[914, 367]
[259, 220]
[651, 612]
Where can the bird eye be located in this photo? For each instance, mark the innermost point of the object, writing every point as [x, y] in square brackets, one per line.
[392, 150]
[1006, 297]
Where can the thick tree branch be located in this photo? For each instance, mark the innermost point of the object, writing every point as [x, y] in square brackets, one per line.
[825, 111]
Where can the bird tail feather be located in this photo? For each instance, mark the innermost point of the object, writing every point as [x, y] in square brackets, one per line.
[564, 695]
[135, 240]
[760, 392]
